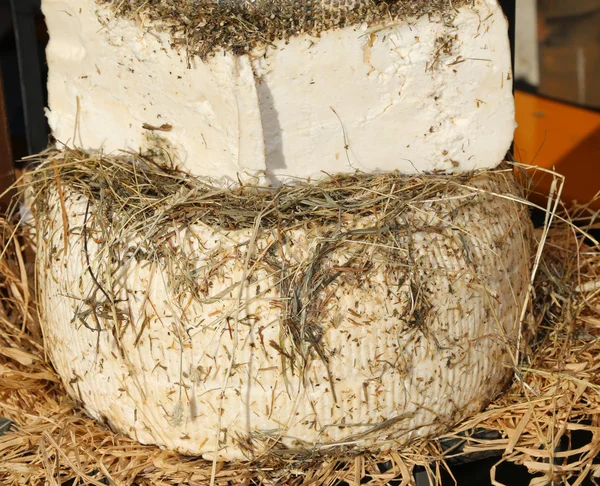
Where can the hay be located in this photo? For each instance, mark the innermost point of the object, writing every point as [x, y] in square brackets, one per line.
[204, 26]
[555, 391]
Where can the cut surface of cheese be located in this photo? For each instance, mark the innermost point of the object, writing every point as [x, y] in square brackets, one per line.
[205, 345]
[416, 95]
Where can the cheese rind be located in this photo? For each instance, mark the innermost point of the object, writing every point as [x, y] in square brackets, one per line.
[415, 333]
[416, 96]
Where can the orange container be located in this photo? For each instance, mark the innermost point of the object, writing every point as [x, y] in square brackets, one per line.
[561, 137]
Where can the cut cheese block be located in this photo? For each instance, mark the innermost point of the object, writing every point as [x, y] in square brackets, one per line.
[418, 95]
[292, 339]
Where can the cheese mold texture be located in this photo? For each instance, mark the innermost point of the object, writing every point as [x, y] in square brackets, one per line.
[391, 320]
[425, 94]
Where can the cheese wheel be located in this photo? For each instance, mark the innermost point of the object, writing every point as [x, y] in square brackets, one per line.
[296, 338]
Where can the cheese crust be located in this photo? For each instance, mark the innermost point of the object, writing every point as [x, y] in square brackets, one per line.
[235, 343]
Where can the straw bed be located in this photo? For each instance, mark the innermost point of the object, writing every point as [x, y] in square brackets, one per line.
[556, 389]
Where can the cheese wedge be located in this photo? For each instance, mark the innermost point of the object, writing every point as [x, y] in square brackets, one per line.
[418, 95]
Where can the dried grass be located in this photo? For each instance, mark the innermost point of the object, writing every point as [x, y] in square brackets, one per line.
[204, 26]
[555, 392]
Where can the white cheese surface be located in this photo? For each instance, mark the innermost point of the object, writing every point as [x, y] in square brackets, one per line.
[415, 339]
[416, 96]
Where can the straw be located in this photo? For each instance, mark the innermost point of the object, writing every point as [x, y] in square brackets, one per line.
[555, 392]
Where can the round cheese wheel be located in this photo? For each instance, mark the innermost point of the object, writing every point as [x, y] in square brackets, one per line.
[290, 338]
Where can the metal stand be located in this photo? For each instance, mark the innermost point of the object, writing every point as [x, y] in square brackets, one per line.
[421, 479]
